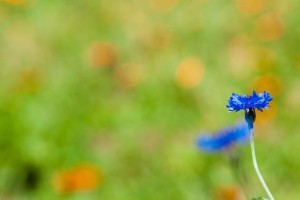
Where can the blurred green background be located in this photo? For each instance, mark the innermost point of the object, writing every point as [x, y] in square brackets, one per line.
[105, 99]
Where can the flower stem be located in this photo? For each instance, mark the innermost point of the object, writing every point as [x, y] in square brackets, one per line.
[256, 166]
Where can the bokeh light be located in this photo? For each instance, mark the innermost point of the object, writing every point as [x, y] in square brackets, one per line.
[248, 7]
[15, 2]
[101, 55]
[272, 84]
[190, 72]
[163, 6]
[129, 75]
[78, 179]
[270, 26]
[229, 192]
[241, 56]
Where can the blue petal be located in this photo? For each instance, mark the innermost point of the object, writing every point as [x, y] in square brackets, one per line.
[243, 102]
[224, 139]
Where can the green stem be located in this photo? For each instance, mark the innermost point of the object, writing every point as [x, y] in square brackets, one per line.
[256, 166]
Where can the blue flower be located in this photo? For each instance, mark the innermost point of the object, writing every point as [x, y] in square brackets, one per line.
[244, 102]
[224, 139]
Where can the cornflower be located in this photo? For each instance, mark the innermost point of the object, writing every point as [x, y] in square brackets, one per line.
[224, 139]
[249, 104]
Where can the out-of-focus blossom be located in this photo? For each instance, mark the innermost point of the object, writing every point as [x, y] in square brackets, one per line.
[154, 36]
[270, 82]
[129, 75]
[244, 102]
[15, 2]
[22, 42]
[163, 6]
[241, 56]
[250, 7]
[224, 139]
[189, 73]
[263, 119]
[81, 178]
[101, 55]
[270, 27]
[229, 192]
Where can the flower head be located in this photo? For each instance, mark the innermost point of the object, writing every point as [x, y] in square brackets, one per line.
[244, 102]
[224, 139]
[81, 178]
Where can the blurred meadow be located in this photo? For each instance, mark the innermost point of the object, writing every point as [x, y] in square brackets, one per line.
[105, 99]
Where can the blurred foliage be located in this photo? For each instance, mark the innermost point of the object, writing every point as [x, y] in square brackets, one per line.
[108, 97]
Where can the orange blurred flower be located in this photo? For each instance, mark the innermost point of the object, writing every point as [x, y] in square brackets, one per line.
[229, 192]
[272, 84]
[251, 7]
[241, 57]
[15, 2]
[129, 75]
[189, 72]
[101, 55]
[269, 27]
[81, 178]
[155, 36]
[263, 119]
[163, 6]
[269, 83]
